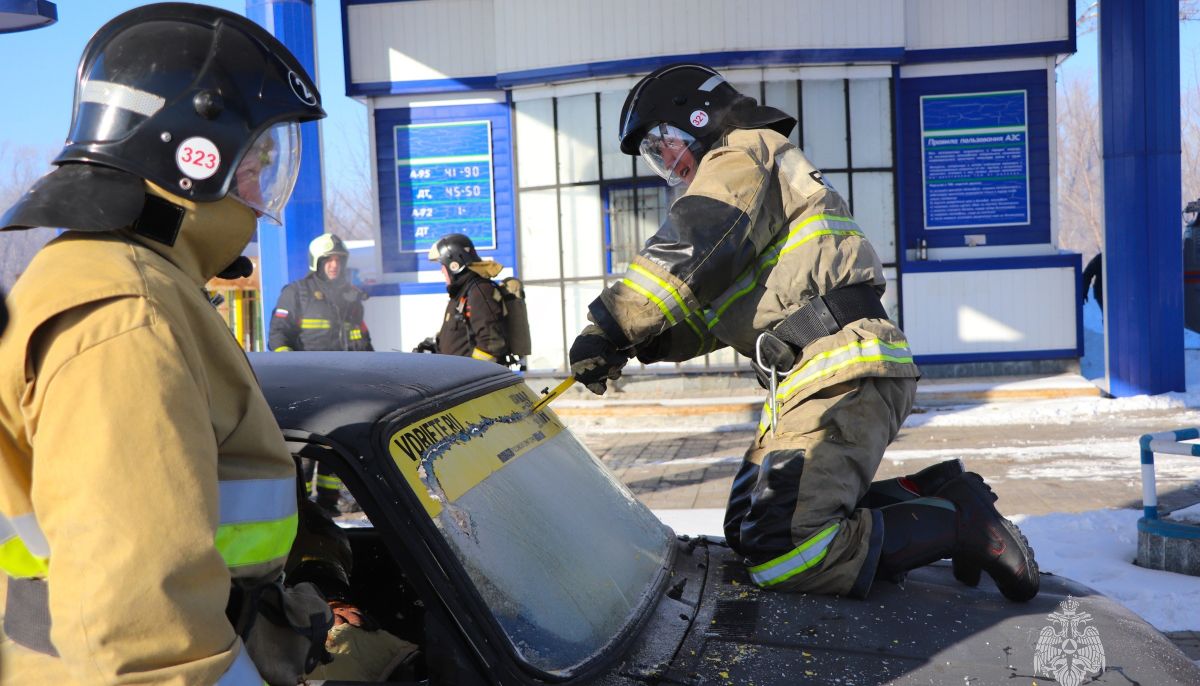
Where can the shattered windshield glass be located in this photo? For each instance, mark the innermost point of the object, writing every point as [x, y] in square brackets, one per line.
[561, 552]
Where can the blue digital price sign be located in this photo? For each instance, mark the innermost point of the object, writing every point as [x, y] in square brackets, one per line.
[444, 183]
[975, 159]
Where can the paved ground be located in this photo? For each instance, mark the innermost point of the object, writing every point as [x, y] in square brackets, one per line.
[1087, 464]
[1039, 452]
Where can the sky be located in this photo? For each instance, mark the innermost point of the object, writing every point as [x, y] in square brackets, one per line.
[39, 66]
[37, 74]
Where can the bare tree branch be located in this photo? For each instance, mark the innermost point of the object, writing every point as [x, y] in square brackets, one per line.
[20, 166]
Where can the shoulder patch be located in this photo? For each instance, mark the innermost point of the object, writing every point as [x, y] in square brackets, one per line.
[280, 312]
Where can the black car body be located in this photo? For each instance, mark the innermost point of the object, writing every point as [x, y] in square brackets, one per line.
[511, 555]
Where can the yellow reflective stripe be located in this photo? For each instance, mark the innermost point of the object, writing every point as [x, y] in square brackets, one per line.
[665, 289]
[328, 481]
[830, 361]
[314, 324]
[18, 562]
[800, 233]
[482, 355]
[252, 543]
[355, 335]
[24, 552]
[803, 557]
[283, 349]
[653, 298]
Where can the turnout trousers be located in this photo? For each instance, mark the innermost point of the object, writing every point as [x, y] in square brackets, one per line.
[793, 511]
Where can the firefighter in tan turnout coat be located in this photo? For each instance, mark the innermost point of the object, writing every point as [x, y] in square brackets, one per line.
[761, 254]
[116, 370]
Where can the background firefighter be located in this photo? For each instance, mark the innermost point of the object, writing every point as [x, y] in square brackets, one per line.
[473, 325]
[761, 253]
[322, 311]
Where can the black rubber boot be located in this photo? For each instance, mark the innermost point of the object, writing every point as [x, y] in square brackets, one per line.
[988, 541]
[915, 533]
[905, 488]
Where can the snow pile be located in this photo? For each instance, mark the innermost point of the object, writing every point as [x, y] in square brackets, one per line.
[1188, 515]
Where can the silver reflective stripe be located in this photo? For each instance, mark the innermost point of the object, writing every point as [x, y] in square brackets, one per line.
[257, 500]
[802, 232]
[711, 83]
[805, 556]
[831, 361]
[661, 293]
[27, 528]
[122, 96]
[242, 672]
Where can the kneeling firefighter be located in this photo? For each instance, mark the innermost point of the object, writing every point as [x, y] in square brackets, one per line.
[761, 254]
[117, 370]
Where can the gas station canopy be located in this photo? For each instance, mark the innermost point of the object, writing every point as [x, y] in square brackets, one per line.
[22, 15]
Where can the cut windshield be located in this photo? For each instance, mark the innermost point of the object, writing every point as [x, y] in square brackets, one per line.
[560, 551]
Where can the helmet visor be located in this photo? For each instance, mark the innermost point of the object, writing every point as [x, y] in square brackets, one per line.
[671, 152]
[265, 177]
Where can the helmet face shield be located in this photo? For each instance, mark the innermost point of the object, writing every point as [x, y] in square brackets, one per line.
[671, 152]
[265, 177]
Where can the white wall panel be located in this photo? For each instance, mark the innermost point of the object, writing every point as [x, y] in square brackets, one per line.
[400, 323]
[536, 34]
[824, 123]
[875, 211]
[545, 305]
[412, 41]
[534, 122]
[931, 24]
[1000, 310]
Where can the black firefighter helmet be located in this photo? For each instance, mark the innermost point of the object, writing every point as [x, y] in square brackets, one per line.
[199, 101]
[692, 104]
[454, 251]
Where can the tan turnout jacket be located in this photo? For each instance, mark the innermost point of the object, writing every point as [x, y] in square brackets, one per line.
[140, 466]
[757, 233]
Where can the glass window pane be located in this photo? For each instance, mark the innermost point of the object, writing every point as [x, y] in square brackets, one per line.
[874, 211]
[891, 297]
[617, 165]
[634, 215]
[870, 123]
[577, 156]
[546, 327]
[539, 234]
[782, 95]
[825, 123]
[582, 234]
[578, 295]
[535, 142]
[841, 183]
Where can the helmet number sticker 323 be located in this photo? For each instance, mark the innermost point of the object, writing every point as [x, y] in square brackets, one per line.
[198, 158]
[699, 119]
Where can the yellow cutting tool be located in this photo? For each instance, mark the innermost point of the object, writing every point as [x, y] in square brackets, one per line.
[558, 390]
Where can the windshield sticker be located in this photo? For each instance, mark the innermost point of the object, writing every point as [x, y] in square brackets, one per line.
[445, 455]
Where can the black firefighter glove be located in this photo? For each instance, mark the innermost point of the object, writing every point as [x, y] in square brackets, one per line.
[426, 346]
[595, 359]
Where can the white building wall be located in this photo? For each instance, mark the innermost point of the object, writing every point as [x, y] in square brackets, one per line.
[537, 34]
[418, 41]
[932, 24]
[990, 311]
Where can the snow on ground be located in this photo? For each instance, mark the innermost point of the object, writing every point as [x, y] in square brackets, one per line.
[1095, 548]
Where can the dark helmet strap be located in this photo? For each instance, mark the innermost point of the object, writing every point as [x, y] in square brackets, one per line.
[160, 220]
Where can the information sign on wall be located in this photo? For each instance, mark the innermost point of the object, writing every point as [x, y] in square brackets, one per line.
[975, 159]
[444, 183]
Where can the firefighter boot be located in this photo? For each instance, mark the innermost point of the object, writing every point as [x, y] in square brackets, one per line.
[923, 483]
[915, 533]
[988, 541]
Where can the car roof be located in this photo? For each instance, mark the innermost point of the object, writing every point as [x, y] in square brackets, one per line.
[343, 394]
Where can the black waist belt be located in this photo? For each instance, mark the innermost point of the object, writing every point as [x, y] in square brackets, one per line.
[827, 314]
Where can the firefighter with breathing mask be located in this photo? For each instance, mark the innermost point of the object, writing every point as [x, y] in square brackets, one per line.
[117, 370]
[760, 253]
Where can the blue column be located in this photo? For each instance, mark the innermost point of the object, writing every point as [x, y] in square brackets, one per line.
[283, 252]
[1143, 253]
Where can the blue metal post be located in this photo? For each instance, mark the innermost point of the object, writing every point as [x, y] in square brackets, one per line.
[1143, 243]
[283, 253]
